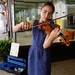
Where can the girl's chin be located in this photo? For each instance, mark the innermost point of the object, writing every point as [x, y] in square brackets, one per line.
[43, 20]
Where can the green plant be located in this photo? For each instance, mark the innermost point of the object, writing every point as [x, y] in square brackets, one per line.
[4, 47]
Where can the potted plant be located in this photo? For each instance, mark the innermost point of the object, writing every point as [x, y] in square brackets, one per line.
[4, 48]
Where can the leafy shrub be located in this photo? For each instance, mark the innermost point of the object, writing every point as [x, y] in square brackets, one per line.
[5, 47]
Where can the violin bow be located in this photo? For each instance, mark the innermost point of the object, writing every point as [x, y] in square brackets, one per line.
[64, 16]
[61, 17]
[57, 18]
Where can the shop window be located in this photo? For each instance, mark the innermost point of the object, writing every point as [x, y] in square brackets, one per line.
[26, 11]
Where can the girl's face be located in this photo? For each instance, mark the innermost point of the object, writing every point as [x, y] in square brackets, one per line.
[46, 13]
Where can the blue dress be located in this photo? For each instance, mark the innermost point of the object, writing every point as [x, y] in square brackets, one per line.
[38, 58]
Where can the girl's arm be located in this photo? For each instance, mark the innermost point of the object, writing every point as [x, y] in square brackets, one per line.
[22, 26]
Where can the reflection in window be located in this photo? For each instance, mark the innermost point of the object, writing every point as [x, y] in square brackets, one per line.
[28, 12]
[71, 18]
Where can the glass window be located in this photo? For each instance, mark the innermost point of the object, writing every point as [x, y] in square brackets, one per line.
[66, 10]
[71, 17]
[26, 11]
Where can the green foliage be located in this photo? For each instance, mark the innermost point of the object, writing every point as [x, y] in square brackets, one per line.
[5, 46]
[70, 1]
[17, 20]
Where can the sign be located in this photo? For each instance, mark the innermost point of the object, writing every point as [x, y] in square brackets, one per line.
[14, 49]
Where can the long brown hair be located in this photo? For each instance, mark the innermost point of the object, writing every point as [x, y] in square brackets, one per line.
[49, 3]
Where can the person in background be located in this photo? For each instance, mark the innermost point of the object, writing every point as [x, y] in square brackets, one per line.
[39, 60]
[3, 23]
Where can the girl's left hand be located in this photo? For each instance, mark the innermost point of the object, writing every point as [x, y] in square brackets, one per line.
[50, 37]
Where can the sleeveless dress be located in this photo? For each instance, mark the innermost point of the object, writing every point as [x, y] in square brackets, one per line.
[39, 58]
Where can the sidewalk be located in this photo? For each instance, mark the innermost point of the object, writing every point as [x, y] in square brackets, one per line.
[5, 73]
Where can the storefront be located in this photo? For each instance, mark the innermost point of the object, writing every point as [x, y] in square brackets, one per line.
[29, 10]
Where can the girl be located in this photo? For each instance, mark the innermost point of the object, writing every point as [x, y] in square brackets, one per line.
[39, 54]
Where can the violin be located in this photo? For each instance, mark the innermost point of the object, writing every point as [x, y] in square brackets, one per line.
[46, 26]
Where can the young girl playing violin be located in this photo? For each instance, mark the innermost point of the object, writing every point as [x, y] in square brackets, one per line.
[39, 54]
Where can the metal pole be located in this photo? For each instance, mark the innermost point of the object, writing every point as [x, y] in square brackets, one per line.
[11, 21]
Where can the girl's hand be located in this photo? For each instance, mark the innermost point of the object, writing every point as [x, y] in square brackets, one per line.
[22, 26]
[50, 37]
[25, 26]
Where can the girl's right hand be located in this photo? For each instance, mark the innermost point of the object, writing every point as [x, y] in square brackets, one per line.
[22, 26]
[25, 26]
